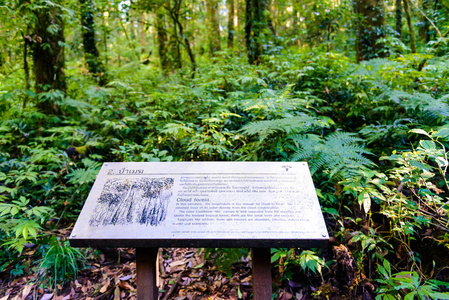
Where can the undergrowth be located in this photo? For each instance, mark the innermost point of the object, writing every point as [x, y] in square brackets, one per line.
[375, 136]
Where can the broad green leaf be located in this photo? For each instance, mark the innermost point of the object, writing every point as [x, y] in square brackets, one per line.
[428, 145]
[419, 131]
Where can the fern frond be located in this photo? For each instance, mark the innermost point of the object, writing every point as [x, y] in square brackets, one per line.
[429, 108]
[290, 125]
[83, 176]
[340, 154]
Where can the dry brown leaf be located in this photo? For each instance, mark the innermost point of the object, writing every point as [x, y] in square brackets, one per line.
[26, 290]
[117, 293]
[202, 286]
[177, 263]
[47, 296]
[104, 288]
[77, 284]
[125, 285]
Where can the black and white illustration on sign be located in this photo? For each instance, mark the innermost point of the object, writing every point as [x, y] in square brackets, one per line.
[126, 201]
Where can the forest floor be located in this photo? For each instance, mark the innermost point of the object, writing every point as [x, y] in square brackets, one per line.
[185, 275]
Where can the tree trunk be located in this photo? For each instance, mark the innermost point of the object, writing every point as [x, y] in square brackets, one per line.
[424, 28]
[91, 54]
[48, 55]
[175, 16]
[398, 10]
[410, 26]
[231, 24]
[253, 28]
[175, 42]
[213, 26]
[26, 68]
[265, 11]
[371, 28]
[162, 39]
[142, 27]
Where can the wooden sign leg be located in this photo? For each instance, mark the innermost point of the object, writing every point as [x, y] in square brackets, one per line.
[146, 273]
[261, 273]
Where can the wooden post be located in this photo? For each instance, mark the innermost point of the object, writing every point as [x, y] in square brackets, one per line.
[261, 273]
[146, 273]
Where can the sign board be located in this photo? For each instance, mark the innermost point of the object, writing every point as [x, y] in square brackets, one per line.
[201, 204]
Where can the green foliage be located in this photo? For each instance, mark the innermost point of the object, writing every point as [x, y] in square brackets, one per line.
[287, 260]
[60, 262]
[20, 222]
[374, 135]
[224, 258]
[407, 285]
[339, 154]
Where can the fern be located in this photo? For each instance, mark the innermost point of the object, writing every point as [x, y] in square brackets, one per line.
[381, 132]
[82, 176]
[340, 154]
[429, 108]
[296, 124]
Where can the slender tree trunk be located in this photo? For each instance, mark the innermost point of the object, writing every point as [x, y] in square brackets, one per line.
[253, 29]
[91, 54]
[175, 17]
[424, 29]
[26, 68]
[248, 28]
[48, 56]
[130, 42]
[231, 24]
[177, 42]
[105, 39]
[142, 26]
[213, 26]
[238, 23]
[162, 39]
[265, 11]
[398, 11]
[410, 26]
[371, 28]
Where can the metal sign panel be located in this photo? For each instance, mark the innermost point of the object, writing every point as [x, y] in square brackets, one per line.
[201, 204]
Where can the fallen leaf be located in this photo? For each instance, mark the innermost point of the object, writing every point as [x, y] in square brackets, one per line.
[69, 296]
[26, 290]
[202, 286]
[47, 296]
[117, 293]
[125, 277]
[177, 263]
[125, 285]
[104, 288]
[199, 266]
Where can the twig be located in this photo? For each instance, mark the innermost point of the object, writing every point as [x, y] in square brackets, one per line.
[425, 16]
